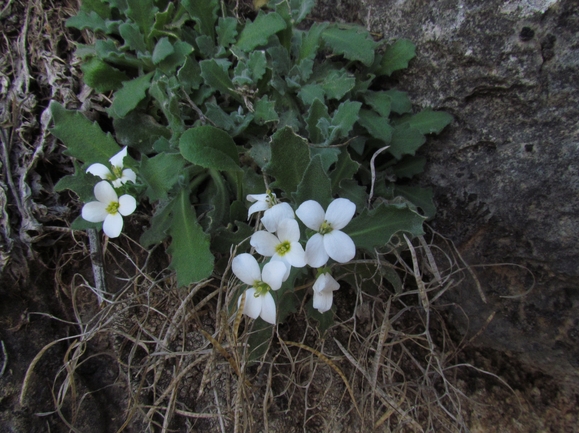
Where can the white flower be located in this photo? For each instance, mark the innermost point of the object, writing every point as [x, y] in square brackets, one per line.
[109, 208]
[329, 241]
[118, 176]
[284, 246]
[274, 212]
[258, 299]
[324, 289]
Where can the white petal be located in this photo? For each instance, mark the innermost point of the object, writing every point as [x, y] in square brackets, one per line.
[94, 211]
[129, 176]
[323, 301]
[316, 254]
[326, 282]
[273, 273]
[99, 170]
[117, 160]
[288, 230]
[288, 267]
[340, 213]
[277, 213]
[246, 268]
[296, 256]
[268, 311]
[105, 193]
[113, 225]
[117, 183]
[256, 197]
[258, 206]
[127, 204]
[312, 214]
[264, 243]
[253, 303]
[339, 246]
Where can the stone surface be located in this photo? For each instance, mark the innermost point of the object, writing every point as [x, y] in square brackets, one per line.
[506, 172]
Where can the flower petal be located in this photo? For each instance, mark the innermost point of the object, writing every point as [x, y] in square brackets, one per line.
[99, 170]
[129, 176]
[253, 303]
[105, 193]
[246, 268]
[117, 160]
[264, 242]
[340, 213]
[268, 311]
[296, 256]
[288, 230]
[277, 213]
[339, 246]
[127, 204]
[316, 254]
[256, 197]
[312, 214]
[288, 267]
[323, 301]
[258, 206]
[113, 225]
[94, 211]
[326, 282]
[273, 273]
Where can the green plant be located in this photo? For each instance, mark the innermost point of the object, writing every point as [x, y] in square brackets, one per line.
[216, 108]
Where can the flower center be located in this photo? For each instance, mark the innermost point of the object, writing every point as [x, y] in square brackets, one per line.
[270, 199]
[117, 171]
[283, 248]
[261, 288]
[325, 228]
[113, 207]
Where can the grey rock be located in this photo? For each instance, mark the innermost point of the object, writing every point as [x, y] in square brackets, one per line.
[506, 172]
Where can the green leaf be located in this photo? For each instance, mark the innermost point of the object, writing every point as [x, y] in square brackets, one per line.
[343, 119]
[429, 122]
[191, 257]
[260, 152]
[133, 37]
[87, 20]
[301, 9]
[290, 155]
[232, 235]
[257, 33]
[265, 111]
[163, 48]
[345, 169]
[98, 6]
[257, 64]
[189, 75]
[214, 76]
[376, 227]
[354, 192]
[204, 13]
[177, 58]
[354, 43]
[400, 101]
[101, 76]
[160, 173]
[376, 125]
[226, 31]
[337, 83]
[310, 92]
[84, 139]
[169, 103]
[396, 57]
[140, 131]
[405, 140]
[311, 41]
[317, 111]
[409, 166]
[80, 182]
[160, 225]
[418, 196]
[127, 98]
[215, 199]
[143, 13]
[315, 184]
[379, 101]
[209, 147]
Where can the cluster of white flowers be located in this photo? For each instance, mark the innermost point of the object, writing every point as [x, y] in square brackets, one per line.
[281, 241]
[109, 207]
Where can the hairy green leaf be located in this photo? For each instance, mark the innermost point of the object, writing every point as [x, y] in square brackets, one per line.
[83, 139]
[132, 92]
[376, 227]
[226, 31]
[265, 111]
[428, 121]
[315, 184]
[191, 257]
[290, 155]
[337, 83]
[80, 182]
[160, 225]
[310, 92]
[318, 110]
[376, 125]
[405, 140]
[163, 48]
[87, 20]
[396, 57]
[379, 101]
[139, 130]
[204, 13]
[311, 41]
[345, 169]
[409, 166]
[214, 76]
[353, 43]
[133, 37]
[160, 173]
[101, 76]
[257, 33]
[143, 13]
[209, 147]
[418, 196]
[400, 102]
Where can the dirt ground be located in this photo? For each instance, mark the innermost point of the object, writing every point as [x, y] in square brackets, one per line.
[154, 357]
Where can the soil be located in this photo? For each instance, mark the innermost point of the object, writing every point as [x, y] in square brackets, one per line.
[160, 358]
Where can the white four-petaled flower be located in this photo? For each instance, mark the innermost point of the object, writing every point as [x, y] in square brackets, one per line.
[109, 208]
[118, 176]
[329, 240]
[258, 300]
[283, 246]
[324, 289]
[274, 212]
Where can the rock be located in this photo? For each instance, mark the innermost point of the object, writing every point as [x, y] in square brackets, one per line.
[506, 172]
